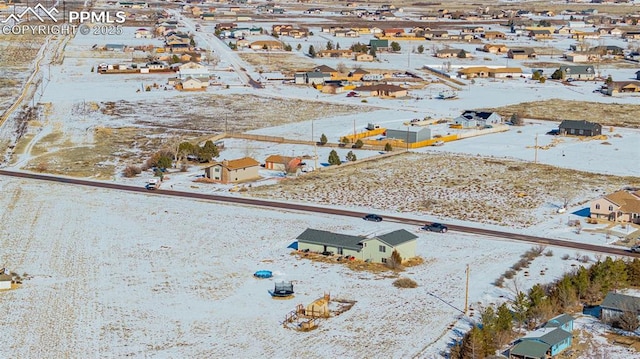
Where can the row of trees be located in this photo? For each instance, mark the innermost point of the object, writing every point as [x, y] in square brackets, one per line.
[543, 302]
[358, 47]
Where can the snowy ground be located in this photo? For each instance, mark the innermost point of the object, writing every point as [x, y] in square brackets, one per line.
[122, 274]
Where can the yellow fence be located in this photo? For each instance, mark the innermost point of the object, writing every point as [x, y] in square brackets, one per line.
[399, 144]
[399, 38]
[371, 133]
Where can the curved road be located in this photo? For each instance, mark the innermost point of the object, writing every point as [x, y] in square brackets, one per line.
[315, 209]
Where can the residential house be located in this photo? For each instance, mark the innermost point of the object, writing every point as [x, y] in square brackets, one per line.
[623, 87]
[234, 171]
[192, 84]
[473, 72]
[114, 47]
[436, 35]
[363, 57]
[521, 54]
[225, 26]
[327, 70]
[311, 78]
[472, 30]
[356, 75]
[143, 33]
[619, 206]
[5, 281]
[631, 35]
[540, 34]
[282, 163]
[411, 134]
[382, 90]
[266, 45]
[393, 32]
[478, 119]
[156, 65]
[492, 35]
[577, 56]
[615, 304]
[376, 249]
[580, 128]
[581, 35]
[334, 54]
[610, 50]
[193, 69]
[562, 321]
[447, 53]
[346, 33]
[495, 48]
[546, 342]
[378, 44]
[505, 72]
[578, 72]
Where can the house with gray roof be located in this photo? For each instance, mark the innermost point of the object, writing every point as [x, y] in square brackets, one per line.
[563, 321]
[474, 119]
[377, 248]
[615, 304]
[578, 72]
[580, 128]
[543, 343]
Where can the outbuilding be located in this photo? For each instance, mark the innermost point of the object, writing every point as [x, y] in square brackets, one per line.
[410, 134]
[580, 128]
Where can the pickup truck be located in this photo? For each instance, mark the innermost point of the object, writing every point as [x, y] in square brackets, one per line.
[435, 227]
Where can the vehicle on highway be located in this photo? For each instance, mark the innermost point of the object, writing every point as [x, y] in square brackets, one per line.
[372, 217]
[435, 227]
[635, 249]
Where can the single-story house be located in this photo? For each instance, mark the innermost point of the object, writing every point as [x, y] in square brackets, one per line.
[382, 90]
[563, 321]
[541, 34]
[5, 281]
[378, 44]
[473, 72]
[554, 341]
[615, 304]
[363, 57]
[191, 83]
[193, 69]
[577, 56]
[357, 74]
[521, 54]
[282, 163]
[580, 128]
[333, 73]
[446, 53]
[436, 34]
[234, 171]
[491, 35]
[505, 72]
[268, 44]
[334, 53]
[474, 119]
[311, 78]
[623, 87]
[619, 206]
[143, 33]
[495, 48]
[578, 72]
[376, 249]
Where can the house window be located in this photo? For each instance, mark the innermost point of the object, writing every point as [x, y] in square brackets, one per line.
[382, 249]
[597, 206]
[339, 250]
[384, 260]
[217, 169]
[611, 208]
[580, 132]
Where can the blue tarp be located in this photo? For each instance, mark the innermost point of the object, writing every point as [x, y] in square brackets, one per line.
[293, 245]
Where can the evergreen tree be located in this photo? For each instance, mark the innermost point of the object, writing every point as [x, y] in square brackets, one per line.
[395, 46]
[420, 49]
[337, 46]
[462, 54]
[358, 143]
[299, 47]
[334, 159]
[329, 45]
[323, 139]
[558, 75]
[387, 147]
[372, 51]
[351, 156]
[312, 51]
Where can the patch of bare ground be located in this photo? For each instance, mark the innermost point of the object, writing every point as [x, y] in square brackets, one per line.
[212, 113]
[56, 154]
[487, 190]
[17, 52]
[278, 61]
[608, 114]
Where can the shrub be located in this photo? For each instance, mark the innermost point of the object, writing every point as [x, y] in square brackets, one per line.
[405, 283]
[499, 282]
[387, 147]
[395, 261]
[565, 257]
[584, 259]
[509, 274]
[131, 171]
[548, 253]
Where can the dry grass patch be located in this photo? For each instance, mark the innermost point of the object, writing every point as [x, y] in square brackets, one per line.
[608, 114]
[212, 113]
[269, 61]
[486, 190]
[405, 283]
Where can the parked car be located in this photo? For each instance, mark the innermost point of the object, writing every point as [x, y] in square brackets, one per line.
[372, 217]
[635, 249]
[435, 227]
[553, 132]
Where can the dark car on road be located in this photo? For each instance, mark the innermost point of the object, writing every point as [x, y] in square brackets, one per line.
[435, 227]
[635, 249]
[372, 217]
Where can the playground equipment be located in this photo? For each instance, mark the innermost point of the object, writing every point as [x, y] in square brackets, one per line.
[263, 274]
[282, 290]
[307, 318]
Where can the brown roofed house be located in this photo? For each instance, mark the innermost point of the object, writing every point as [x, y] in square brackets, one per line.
[234, 171]
[620, 206]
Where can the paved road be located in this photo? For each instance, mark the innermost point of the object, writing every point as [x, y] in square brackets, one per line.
[313, 209]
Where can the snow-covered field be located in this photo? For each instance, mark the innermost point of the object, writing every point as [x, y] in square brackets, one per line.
[120, 274]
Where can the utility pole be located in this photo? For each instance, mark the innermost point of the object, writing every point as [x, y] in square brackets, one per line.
[466, 294]
[407, 138]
